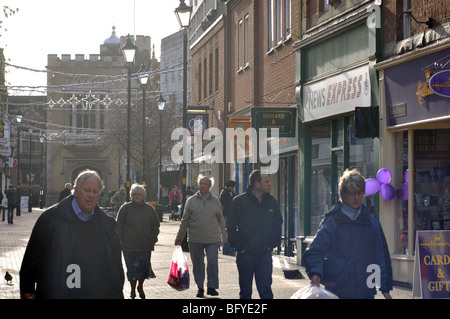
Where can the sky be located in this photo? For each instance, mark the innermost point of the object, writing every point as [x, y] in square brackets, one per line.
[43, 27]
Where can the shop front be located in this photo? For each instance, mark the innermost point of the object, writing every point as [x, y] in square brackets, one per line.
[335, 76]
[280, 154]
[416, 148]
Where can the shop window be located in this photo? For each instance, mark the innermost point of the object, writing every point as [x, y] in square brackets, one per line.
[335, 148]
[401, 206]
[320, 174]
[431, 184]
[362, 156]
[432, 179]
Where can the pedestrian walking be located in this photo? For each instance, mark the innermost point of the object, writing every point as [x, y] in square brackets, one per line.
[138, 229]
[74, 251]
[119, 198]
[254, 230]
[65, 192]
[11, 196]
[226, 196]
[203, 221]
[349, 239]
[2, 206]
[174, 198]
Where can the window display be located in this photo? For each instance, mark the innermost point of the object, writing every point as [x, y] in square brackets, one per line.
[432, 179]
[431, 184]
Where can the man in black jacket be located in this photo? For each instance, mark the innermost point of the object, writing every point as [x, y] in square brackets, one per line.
[74, 251]
[254, 230]
[226, 196]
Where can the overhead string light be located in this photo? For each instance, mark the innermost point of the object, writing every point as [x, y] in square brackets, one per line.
[88, 80]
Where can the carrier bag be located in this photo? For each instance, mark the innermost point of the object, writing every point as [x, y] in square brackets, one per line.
[179, 272]
[313, 292]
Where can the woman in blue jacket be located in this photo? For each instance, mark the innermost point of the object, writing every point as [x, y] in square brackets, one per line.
[349, 254]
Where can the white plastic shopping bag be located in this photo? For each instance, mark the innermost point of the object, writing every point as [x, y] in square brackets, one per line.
[179, 272]
[313, 292]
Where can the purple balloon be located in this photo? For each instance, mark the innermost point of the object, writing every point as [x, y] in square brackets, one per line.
[402, 191]
[405, 176]
[384, 176]
[372, 186]
[387, 191]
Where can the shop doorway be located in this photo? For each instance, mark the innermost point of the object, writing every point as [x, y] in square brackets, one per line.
[288, 200]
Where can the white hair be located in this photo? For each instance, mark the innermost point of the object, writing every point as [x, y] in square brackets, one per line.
[138, 188]
[200, 177]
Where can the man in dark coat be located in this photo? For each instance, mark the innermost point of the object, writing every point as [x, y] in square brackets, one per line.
[11, 196]
[254, 230]
[74, 251]
[65, 192]
[226, 196]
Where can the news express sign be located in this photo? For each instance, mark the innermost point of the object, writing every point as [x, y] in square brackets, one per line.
[432, 264]
[336, 94]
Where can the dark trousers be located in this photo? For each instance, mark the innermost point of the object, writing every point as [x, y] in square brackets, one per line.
[258, 266]
[10, 214]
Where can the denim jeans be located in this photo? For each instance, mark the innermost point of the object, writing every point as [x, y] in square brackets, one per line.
[259, 266]
[197, 252]
[10, 213]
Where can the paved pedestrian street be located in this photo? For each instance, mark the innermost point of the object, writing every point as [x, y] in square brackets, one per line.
[14, 238]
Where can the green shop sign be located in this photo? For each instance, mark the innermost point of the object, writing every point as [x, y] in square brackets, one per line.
[275, 117]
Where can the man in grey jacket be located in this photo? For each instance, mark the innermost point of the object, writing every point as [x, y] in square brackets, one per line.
[203, 220]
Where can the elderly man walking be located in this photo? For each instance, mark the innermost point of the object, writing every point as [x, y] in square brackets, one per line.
[203, 220]
[74, 250]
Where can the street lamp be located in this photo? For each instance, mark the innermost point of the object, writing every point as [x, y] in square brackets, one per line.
[41, 189]
[161, 103]
[30, 180]
[183, 13]
[143, 79]
[129, 50]
[19, 120]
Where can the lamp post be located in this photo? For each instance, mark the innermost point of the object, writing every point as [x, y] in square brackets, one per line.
[161, 103]
[30, 180]
[41, 188]
[129, 50]
[183, 13]
[143, 79]
[19, 120]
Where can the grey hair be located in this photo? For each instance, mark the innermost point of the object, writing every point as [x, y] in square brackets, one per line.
[88, 174]
[351, 180]
[138, 188]
[200, 177]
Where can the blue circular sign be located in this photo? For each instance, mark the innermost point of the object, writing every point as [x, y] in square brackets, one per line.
[440, 83]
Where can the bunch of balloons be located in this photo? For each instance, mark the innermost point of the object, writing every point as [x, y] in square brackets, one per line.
[387, 191]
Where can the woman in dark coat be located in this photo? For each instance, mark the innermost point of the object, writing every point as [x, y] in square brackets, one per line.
[349, 240]
[138, 229]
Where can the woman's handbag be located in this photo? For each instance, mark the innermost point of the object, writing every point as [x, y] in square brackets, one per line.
[179, 272]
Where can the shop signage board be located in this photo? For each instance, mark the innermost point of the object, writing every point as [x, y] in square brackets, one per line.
[197, 123]
[432, 265]
[440, 83]
[337, 94]
[282, 118]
